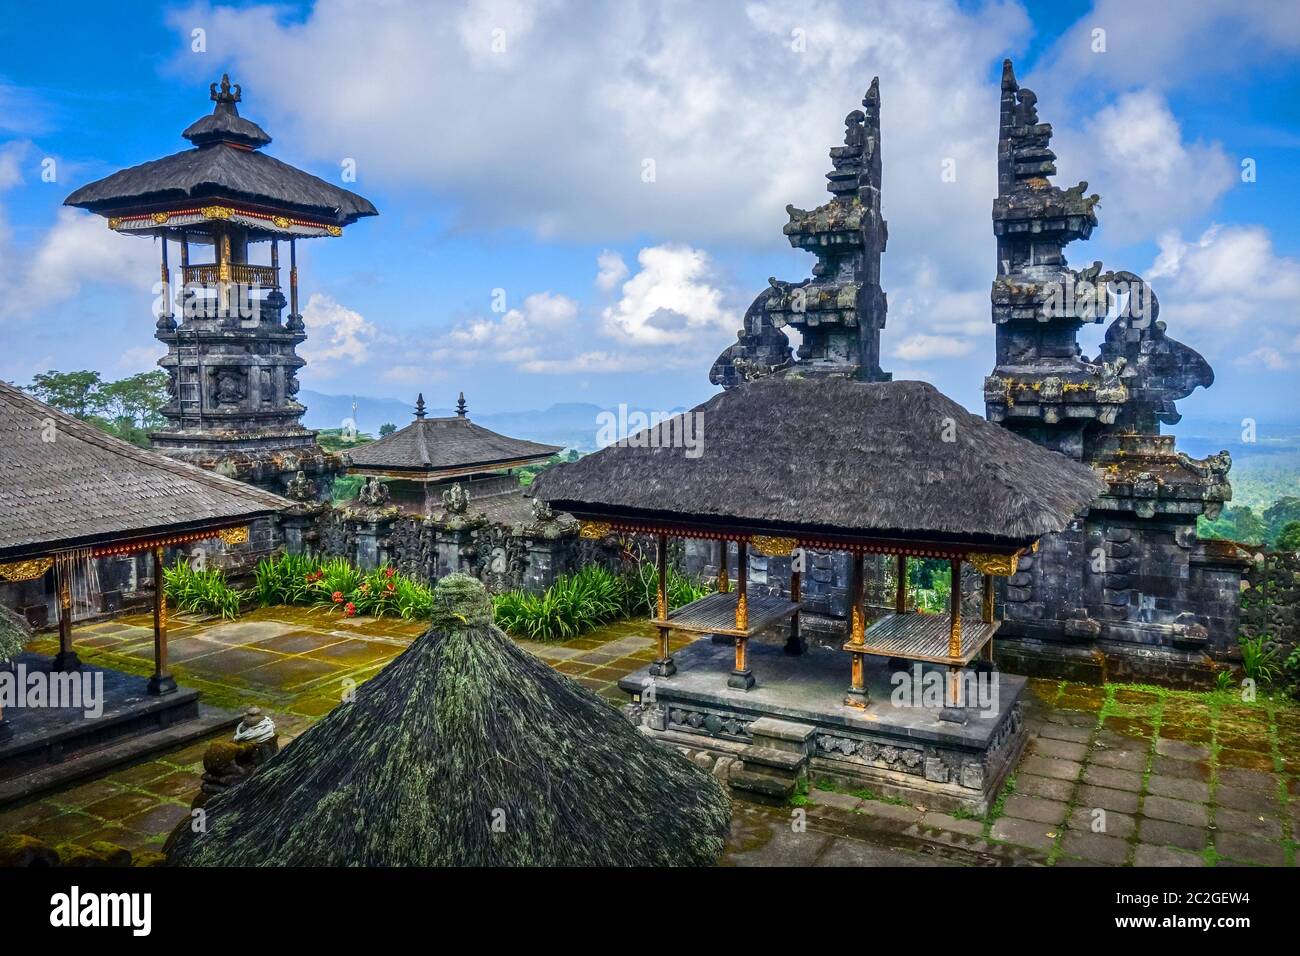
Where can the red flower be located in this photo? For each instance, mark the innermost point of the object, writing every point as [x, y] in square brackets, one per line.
[338, 597]
[389, 588]
[364, 588]
[389, 572]
[349, 609]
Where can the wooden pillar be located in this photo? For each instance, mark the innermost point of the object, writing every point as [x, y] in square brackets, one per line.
[275, 263]
[952, 711]
[664, 666]
[224, 271]
[293, 280]
[794, 643]
[857, 695]
[165, 320]
[185, 265]
[741, 676]
[66, 659]
[161, 682]
[900, 587]
[724, 585]
[986, 613]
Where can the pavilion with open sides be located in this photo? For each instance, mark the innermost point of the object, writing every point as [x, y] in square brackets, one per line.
[70, 494]
[797, 465]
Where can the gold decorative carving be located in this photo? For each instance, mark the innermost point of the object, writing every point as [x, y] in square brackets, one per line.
[160, 217]
[858, 627]
[114, 222]
[334, 230]
[281, 222]
[216, 212]
[234, 535]
[1001, 565]
[594, 530]
[742, 611]
[28, 570]
[774, 547]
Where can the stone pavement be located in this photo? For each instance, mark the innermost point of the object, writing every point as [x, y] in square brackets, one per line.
[1114, 775]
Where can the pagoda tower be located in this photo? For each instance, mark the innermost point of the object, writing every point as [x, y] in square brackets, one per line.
[1130, 578]
[840, 311]
[231, 357]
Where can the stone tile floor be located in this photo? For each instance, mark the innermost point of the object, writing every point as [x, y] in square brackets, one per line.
[1114, 775]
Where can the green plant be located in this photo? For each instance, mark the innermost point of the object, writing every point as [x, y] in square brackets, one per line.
[1223, 680]
[641, 590]
[1259, 661]
[286, 579]
[200, 591]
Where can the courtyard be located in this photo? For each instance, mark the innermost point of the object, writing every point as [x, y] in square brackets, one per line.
[1114, 775]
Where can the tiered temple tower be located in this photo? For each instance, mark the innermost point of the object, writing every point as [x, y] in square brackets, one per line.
[231, 360]
[1131, 577]
[840, 311]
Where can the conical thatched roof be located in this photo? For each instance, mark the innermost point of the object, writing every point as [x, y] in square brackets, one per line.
[14, 633]
[464, 729]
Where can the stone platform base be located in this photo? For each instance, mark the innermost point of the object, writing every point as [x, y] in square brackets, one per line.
[896, 747]
[44, 747]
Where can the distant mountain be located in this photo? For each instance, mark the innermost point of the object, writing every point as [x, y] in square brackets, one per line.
[570, 424]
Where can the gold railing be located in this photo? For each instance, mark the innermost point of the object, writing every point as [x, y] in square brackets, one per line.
[209, 274]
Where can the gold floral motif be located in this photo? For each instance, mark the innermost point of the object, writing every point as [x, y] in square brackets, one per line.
[334, 230]
[234, 535]
[216, 212]
[281, 222]
[1001, 565]
[594, 530]
[114, 222]
[774, 547]
[28, 570]
[160, 217]
[742, 611]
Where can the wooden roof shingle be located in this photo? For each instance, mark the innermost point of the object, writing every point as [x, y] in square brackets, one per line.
[66, 484]
[455, 444]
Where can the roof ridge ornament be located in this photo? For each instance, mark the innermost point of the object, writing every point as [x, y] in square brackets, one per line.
[419, 406]
[461, 407]
[225, 96]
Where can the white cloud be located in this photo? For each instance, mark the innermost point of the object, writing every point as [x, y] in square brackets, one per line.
[1231, 291]
[1133, 154]
[141, 358]
[336, 336]
[517, 335]
[612, 270]
[919, 348]
[671, 301]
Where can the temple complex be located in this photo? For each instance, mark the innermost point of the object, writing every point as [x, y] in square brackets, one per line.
[1130, 578]
[231, 360]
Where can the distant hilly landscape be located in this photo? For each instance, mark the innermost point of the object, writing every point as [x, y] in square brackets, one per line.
[571, 424]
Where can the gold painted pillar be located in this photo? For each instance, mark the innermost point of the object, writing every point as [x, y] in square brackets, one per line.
[724, 585]
[224, 271]
[953, 711]
[742, 676]
[293, 281]
[161, 682]
[986, 614]
[857, 695]
[66, 659]
[664, 666]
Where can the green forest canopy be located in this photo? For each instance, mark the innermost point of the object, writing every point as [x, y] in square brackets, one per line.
[129, 408]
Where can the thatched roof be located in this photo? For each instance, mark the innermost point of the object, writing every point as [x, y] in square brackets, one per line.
[65, 483]
[463, 729]
[430, 447]
[834, 457]
[226, 163]
[15, 632]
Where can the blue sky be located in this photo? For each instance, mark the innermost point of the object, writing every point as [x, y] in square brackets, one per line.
[505, 143]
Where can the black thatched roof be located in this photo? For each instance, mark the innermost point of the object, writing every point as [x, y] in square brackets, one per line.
[429, 446]
[463, 729]
[64, 484]
[225, 164]
[15, 632]
[832, 456]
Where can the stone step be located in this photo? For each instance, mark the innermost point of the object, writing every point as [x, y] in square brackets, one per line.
[782, 761]
[772, 733]
[763, 786]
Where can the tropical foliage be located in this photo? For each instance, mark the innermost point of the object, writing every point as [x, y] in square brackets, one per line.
[581, 602]
[128, 408]
[336, 584]
[200, 591]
